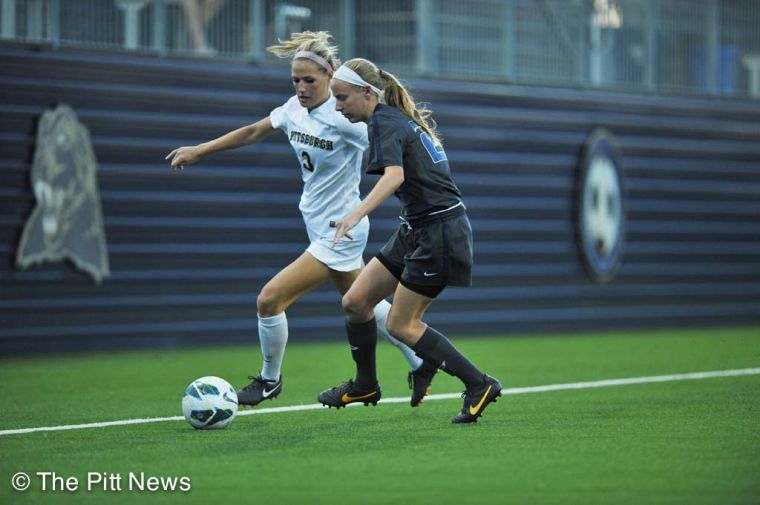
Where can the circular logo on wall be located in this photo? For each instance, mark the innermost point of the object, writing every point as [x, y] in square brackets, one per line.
[600, 209]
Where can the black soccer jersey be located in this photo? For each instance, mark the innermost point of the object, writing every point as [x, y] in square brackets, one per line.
[396, 140]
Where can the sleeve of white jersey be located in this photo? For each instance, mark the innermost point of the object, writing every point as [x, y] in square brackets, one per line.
[279, 116]
[354, 133]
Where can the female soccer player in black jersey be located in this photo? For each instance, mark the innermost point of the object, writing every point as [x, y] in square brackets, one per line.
[431, 249]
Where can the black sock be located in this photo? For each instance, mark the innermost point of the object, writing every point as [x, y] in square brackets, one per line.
[435, 366]
[362, 337]
[435, 347]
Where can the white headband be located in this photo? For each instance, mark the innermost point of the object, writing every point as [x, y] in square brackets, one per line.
[347, 75]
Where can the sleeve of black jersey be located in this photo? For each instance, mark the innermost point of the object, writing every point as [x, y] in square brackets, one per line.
[386, 146]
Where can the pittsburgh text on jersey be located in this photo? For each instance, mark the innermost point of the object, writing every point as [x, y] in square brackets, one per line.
[311, 140]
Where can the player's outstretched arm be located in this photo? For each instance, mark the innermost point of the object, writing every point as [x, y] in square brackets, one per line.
[392, 178]
[250, 134]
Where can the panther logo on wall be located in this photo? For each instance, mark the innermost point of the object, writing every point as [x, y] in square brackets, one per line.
[600, 209]
[67, 222]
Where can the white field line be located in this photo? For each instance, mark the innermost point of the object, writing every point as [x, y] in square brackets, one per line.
[405, 399]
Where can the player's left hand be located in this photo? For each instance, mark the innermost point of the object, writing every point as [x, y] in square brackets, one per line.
[343, 226]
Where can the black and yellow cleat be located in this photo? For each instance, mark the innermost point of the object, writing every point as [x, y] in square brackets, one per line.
[346, 393]
[476, 400]
[419, 382]
[258, 390]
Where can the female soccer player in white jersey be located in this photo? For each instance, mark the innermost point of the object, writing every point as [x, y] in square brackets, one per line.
[329, 150]
[431, 249]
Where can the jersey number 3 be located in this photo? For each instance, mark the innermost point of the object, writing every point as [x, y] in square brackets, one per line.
[306, 161]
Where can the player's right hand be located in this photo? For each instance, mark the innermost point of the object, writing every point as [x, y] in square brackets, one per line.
[183, 156]
[343, 226]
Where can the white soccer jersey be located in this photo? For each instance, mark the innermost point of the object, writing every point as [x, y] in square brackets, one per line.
[329, 149]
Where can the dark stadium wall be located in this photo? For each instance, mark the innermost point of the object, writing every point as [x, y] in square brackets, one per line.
[189, 252]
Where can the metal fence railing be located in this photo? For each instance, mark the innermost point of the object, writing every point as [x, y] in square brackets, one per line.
[671, 46]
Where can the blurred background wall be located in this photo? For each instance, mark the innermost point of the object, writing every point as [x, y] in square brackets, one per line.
[517, 88]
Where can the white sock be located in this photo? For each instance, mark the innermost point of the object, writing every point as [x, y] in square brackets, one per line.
[381, 316]
[273, 336]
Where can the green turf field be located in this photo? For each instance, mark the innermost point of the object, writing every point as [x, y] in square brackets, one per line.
[682, 442]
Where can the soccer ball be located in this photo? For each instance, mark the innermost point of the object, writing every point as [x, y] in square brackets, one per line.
[209, 403]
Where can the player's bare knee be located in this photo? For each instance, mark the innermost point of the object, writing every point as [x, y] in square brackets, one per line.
[269, 302]
[355, 307]
[352, 306]
[401, 330]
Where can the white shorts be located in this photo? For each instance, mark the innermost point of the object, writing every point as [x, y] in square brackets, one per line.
[346, 256]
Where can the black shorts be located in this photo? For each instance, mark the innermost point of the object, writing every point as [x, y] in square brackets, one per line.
[430, 253]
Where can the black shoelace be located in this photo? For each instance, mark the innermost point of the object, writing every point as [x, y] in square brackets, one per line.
[257, 380]
[343, 388]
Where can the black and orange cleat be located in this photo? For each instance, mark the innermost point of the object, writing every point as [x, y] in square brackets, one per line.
[347, 393]
[419, 382]
[476, 400]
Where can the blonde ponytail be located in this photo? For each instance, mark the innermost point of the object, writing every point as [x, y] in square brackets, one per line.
[395, 94]
[314, 42]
